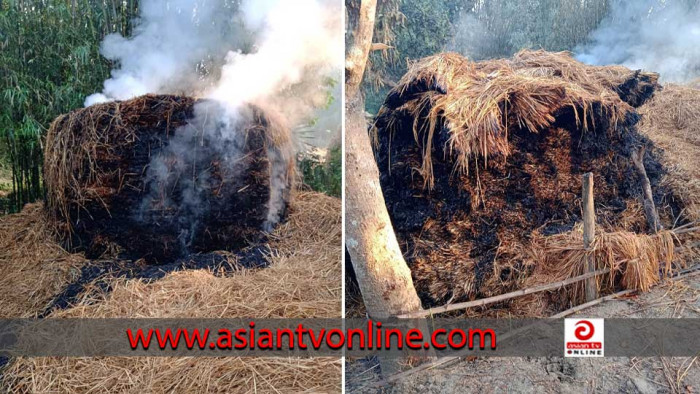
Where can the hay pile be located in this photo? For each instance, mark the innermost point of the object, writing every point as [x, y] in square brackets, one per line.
[304, 280]
[478, 160]
[160, 176]
[634, 260]
[672, 120]
[33, 267]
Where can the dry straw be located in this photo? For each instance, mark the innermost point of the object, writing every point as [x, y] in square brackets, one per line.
[304, 280]
[635, 261]
[80, 143]
[672, 120]
[33, 267]
[479, 102]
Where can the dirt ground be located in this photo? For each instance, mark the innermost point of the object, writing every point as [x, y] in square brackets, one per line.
[673, 299]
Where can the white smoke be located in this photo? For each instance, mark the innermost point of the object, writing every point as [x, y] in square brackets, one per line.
[290, 45]
[654, 35]
[170, 38]
[269, 51]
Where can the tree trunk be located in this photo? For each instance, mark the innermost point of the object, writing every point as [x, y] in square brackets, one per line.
[382, 274]
[384, 278]
[356, 54]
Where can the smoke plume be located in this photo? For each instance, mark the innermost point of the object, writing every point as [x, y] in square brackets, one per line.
[169, 39]
[276, 54]
[280, 52]
[654, 35]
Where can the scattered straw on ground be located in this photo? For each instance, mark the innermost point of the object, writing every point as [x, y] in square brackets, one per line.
[672, 120]
[304, 280]
[33, 267]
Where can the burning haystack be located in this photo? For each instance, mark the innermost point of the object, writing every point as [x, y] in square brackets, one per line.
[481, 166]
[159, 176]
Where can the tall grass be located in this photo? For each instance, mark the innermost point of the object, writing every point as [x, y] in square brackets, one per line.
[49, 51]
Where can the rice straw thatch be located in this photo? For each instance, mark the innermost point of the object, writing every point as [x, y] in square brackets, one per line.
[672, 120]
[479, 102]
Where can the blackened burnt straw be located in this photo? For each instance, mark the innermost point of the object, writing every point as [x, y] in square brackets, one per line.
[162, 176]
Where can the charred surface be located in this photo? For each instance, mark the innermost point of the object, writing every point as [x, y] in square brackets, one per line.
[162, 180]
[454, 235]
[637, 89]
[101, 273]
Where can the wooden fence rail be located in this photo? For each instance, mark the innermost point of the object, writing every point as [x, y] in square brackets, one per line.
[503, 297]
[518, 293]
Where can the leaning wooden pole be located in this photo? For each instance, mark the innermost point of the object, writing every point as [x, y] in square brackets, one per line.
[647, 195]
[503, 297]
[589, 235]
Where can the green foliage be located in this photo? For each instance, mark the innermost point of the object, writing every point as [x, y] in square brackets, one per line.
[425, 28]
[324, 175]
[49, 50]
[428, 27]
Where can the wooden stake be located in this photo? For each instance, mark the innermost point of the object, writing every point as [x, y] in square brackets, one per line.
[589, 235]
[647, 195]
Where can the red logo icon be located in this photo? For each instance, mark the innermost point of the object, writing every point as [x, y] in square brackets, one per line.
[584, 337]
[584, 330]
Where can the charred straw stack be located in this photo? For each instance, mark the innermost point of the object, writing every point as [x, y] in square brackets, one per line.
[481, 160]
[159, 176]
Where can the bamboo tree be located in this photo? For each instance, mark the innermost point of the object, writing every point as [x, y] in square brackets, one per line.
[49, 50]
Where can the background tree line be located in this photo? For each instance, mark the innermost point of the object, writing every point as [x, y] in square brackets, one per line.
[479, 29]
[49, 51]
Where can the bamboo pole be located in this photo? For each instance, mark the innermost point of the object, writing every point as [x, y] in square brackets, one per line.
[503, 297]
[589, 235]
